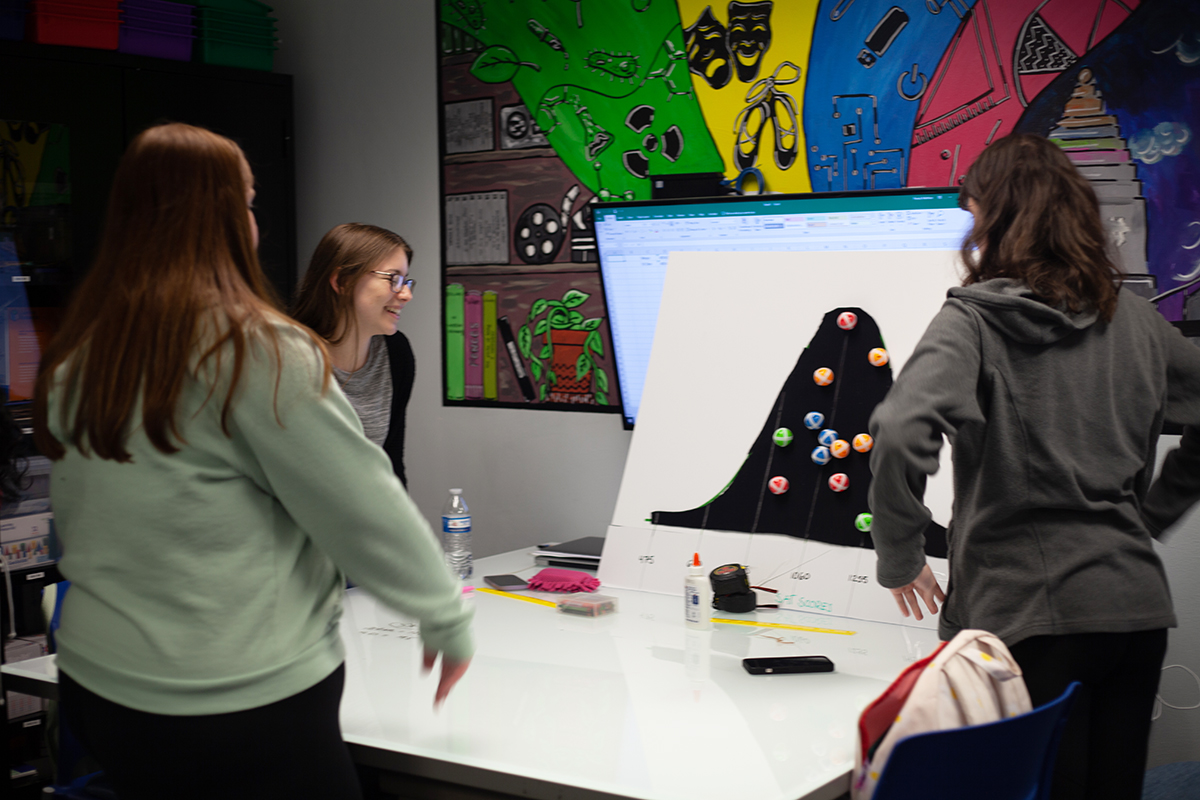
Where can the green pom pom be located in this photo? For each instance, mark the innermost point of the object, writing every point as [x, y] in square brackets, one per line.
[863, 522]
[783, 437]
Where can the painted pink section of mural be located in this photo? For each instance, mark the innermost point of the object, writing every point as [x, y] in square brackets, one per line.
[1003, 55]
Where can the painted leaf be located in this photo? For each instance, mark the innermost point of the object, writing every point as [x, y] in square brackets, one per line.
[541, 327]
[601, 379]
[583, 365]
[595, 342]
[559, 318]
[497, 64]
[542, 393]
[547, 350]
[575, 298]
[524, 340]
[592, 324]
[535, 367]
[601, 399]
[576, 320]
[538, 307]
[552, 376]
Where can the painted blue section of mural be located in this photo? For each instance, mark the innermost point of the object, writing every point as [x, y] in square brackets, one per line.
[872, 62]
[1148, 72]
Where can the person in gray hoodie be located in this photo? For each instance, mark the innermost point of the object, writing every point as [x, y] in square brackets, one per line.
[1052, 385]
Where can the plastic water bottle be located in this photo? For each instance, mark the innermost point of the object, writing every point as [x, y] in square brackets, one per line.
[456, 534]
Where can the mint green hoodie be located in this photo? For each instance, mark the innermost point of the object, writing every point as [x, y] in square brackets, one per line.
[210, 580]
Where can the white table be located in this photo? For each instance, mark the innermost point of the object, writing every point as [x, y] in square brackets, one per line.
[630, 705]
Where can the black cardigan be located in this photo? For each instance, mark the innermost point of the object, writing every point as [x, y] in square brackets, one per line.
[403, 368]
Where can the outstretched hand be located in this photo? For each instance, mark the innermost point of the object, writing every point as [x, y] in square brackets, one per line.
[452, 671]
[926, 587]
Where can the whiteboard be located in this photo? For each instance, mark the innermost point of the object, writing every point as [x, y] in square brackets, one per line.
[730, 330]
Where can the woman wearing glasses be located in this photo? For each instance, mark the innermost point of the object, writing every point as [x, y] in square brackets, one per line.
[191, 425]
[351, 296]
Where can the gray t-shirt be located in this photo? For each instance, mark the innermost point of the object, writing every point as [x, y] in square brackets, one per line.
[369, 391]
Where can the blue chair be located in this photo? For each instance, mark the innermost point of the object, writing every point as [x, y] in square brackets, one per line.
[1008, 760]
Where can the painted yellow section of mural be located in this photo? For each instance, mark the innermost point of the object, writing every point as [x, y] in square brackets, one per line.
[22, 144]
[753, 66]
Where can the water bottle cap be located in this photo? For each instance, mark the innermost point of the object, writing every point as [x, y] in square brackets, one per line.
[456, 491]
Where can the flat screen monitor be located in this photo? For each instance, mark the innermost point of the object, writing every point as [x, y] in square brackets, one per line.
[635, 238]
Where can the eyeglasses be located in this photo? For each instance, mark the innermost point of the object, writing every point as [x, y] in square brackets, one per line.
[397, 280]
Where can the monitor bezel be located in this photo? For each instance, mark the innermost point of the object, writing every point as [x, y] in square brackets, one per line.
[732, 200]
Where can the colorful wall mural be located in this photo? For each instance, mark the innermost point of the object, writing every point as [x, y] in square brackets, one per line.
[552, 106]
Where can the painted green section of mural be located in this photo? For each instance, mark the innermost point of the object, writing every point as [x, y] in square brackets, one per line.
[609, 86]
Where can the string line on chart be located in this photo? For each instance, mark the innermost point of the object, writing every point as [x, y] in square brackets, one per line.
[754, 624]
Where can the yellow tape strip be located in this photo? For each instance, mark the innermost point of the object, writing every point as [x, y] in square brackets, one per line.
[753, 624]
[537, 600]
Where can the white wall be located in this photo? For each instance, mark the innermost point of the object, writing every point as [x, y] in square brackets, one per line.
[366, 143]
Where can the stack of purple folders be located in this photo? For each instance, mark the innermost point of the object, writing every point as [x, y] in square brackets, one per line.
[157, 28]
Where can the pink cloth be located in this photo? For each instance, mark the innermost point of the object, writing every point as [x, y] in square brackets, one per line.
[563, 580]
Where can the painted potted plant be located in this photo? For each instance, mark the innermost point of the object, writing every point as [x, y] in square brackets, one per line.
[565, 366]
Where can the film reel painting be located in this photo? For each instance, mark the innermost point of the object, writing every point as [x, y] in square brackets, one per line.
[539, 234]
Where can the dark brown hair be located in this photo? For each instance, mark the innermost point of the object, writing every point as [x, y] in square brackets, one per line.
[1037, 220]
[175, 271]
[349, 251]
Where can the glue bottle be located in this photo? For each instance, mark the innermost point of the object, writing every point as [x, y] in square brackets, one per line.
[697, 597]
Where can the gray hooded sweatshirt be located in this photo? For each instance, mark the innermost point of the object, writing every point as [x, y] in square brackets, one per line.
[1053, 420]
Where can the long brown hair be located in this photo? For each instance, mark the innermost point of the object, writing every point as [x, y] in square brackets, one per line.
[349, 251]
[1038, 221]
[175, 270]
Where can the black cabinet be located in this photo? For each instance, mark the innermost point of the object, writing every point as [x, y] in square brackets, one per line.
[105, 99]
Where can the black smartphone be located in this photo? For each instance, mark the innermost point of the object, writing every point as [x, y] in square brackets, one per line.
[787, 665]
[506, 583]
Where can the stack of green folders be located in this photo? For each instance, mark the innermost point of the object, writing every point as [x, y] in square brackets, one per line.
[235, 33]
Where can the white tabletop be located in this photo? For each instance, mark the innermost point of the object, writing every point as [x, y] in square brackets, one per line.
[36, 676]
[628, 705]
